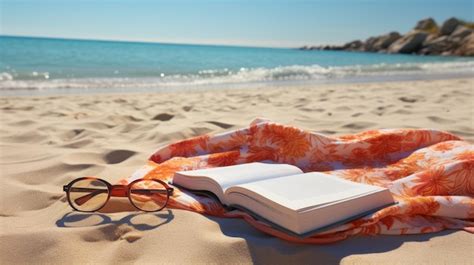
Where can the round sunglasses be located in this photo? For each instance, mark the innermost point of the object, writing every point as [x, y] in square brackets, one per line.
[90, 194]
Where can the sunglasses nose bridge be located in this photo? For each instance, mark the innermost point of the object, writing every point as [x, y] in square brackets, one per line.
[119, 191]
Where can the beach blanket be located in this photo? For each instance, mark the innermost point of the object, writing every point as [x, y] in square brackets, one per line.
[430, 173]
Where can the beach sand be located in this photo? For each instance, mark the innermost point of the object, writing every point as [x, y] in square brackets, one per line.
[48, 141]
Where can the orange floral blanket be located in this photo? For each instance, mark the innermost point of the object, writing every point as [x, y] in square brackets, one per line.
[429, 172]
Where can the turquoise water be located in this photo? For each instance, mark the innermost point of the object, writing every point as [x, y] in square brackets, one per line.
[42, 64]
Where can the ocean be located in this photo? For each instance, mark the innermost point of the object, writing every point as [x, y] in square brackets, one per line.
[43, 65]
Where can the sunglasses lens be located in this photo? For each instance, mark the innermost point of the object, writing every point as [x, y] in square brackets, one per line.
[148, 195]
[88, 194]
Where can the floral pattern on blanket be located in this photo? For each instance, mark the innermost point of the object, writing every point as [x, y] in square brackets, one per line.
[429, 172]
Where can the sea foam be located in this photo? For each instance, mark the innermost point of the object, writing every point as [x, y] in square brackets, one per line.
[244, 75]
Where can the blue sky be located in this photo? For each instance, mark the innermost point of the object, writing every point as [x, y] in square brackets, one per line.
[277, 23]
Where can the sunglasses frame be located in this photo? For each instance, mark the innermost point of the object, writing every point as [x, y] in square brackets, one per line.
[117, 191]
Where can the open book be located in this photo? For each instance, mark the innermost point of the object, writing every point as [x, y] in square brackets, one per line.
[296, 202]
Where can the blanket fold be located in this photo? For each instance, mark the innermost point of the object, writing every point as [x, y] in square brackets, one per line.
[429, 172]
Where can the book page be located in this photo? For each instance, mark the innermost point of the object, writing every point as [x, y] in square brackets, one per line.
[244, 173]
[303, 191]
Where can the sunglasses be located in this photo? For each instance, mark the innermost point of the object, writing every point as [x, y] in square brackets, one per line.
[90, 194]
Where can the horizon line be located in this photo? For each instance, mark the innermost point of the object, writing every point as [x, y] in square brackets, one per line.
[147, 42]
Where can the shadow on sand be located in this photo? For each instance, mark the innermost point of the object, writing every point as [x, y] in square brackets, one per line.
[266, 249]
[141, 221]
[263, 248]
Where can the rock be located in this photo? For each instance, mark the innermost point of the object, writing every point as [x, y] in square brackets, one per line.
[384, 41]
[447, 53]
[353, 45]
[409, 43]
[331, 48]
[437, 45]
[454, 37]
[375, 44]
[447, 44]
[461, 32]
[308, 48]
[467, 47]
[369, 44]
[449, 26]
[428, 25]
[437, 40]
[431, 37]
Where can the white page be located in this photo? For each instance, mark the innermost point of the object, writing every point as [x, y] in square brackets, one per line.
[243, 173]
[298, 192]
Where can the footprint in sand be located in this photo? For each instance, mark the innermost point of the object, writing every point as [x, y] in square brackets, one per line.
[358, 125]
[221, 124]
[440, 120]
[163, 117]
[312, 110]
[22, 123]
[408, 99]
[187, 108]
[118, 156]
[112, 232]
[380, 110]
[402, 111]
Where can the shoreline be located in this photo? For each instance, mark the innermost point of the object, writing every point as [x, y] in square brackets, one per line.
[285, 84]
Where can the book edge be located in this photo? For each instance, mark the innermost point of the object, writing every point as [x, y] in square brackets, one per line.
[314, 231]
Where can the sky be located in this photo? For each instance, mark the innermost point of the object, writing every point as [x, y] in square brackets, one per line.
[270, 23]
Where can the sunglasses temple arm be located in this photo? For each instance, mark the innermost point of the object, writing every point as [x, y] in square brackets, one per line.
[149, 191]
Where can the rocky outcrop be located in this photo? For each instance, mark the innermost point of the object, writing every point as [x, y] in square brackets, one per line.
[437, 45]
[461, 32]
[381, 43]
[409, 43]
[467, 47]
[353, 46]
[454, 37]
[456, 43]
[427, 25]
[449, 26]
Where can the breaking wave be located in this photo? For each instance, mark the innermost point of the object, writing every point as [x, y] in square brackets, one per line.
[43, 81]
